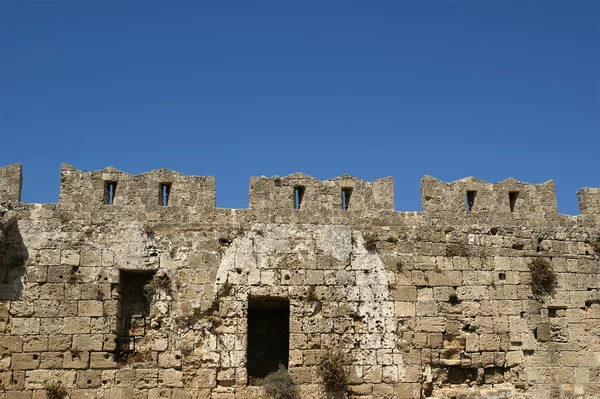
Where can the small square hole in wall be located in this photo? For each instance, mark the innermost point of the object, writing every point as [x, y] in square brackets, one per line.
[501, 276]
[471, 200]
[346, 194]
[110, 190]
[512, 199]
[165, 194]
[268, 335]
[298, 196]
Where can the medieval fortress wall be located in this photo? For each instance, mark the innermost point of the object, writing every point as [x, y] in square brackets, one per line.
[139, 287]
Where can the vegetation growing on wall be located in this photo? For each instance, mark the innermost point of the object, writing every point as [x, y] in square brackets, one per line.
[333, 372]
[596, 245]
[279, 384]
[55, 390]
[543, 277]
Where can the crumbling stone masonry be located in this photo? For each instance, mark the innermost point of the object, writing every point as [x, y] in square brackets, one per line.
[140, 287]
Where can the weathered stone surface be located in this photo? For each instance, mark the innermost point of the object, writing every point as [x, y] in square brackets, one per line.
[435, 303]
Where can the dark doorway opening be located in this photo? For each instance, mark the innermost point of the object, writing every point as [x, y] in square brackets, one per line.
[134, 308]
[268, 335]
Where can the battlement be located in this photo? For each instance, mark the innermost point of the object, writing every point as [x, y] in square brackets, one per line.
[299, 192]
[302, 192]
[156, 188]
[11, 179]
[476, 196]
[589, 201]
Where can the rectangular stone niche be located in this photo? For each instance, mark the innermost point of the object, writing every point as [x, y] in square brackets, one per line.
[268, 335]
[134, 307]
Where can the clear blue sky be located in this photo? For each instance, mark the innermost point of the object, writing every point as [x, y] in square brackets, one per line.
[237, 89]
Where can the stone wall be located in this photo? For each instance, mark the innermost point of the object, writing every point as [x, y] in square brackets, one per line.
[436, 303]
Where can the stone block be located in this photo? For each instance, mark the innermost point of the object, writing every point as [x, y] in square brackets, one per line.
[90, 308]
[77, 325]
[102, 360]
[170, 378]
[25, 361]
[75, 359]
[25, 326]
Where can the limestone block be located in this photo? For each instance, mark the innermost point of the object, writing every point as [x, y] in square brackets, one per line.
[77, 325]
[170, 360]
[121, 393]
[10, 344]
[18, 395]
[159, 393]
[201, 378]
[25, 326]
[146, 378]
[70, 257]
[125, 378]
[51, 360]
[88, 342]
[76, 359]
[89, 308]
[59, 342]
[102, 360]
[47, 257]
[405, 309]
[25, 361]
[91, 258]
[88, 379]
[35, 343]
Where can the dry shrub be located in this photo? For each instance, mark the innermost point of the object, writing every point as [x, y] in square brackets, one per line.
[54, 390]
[333, 372]
[596, 245]
[279, 384]
[158, 282]
[543, 277]
[370, 241]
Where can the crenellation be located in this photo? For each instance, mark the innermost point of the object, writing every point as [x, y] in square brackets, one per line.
[90, 189]
[321, 197]
[11, 180]
[589, 201]
[510, 196]
[151, 300]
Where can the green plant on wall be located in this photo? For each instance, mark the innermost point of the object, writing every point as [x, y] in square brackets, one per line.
[279, 384]
[596, 245]
[333, 372]
[370, 241]
[158, 282]
[543, 277]
[55, 390]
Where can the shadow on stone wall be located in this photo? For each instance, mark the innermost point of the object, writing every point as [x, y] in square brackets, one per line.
[13, 256]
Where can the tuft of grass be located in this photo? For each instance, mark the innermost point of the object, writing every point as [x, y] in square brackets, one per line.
[543, 277]
[55, 390]
[75, 353]
[596, 245]
[370, 241]
[74, 275]
[158, 282]
[225, 289]
[333, 372]
[124, 358]
[279, 384]
[311, 294]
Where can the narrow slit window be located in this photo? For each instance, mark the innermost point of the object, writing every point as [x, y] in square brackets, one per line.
[110, 189]
[298, 195]
[470, 200]
[346, 194]
[165, 193]
[512, 199]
